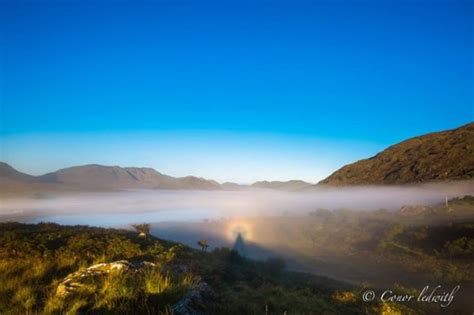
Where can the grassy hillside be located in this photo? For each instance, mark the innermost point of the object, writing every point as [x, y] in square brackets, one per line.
[34, 260]
[439, 156]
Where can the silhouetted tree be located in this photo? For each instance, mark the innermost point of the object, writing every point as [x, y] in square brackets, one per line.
[142, 228]
[203, 244]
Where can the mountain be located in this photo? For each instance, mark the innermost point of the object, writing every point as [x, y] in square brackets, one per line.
[439, 156]
[288, 185]
[233, 186]
[13, 182]
[124, 177]
[8, 172]
[101, 177]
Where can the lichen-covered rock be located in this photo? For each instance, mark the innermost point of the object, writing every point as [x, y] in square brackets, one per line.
[76, 279]
[409, 210]
[192, 303]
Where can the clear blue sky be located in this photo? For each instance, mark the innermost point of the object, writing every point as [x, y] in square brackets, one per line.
[232, 90]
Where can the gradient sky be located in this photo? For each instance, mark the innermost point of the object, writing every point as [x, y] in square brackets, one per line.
[230, 90]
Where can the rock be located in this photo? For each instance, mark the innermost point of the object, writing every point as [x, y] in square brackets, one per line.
[75, 280]
[192, 302]
[413, 210]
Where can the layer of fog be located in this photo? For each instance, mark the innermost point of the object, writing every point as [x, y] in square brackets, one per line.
[231, 204]
[272, 223]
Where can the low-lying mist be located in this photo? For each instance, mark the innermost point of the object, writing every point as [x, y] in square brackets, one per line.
[196, 205]
[293, 226]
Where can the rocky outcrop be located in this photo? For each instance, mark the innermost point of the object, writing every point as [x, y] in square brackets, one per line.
[193, 301]
[76, 279]
[413, 209]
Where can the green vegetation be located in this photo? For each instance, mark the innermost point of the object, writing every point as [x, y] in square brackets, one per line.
[403, 250]
[384, 248]
[439, 156]
[143, 229]
[34, 260]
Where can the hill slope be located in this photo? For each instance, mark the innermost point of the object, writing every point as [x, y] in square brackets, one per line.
[439, 156]
[42, 272]
[8, 172]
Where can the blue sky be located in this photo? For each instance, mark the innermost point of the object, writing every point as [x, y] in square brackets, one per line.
[231, 90]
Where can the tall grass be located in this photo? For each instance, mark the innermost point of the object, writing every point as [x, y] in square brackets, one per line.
[35, 259]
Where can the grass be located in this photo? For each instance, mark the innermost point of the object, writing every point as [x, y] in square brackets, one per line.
[34, 259]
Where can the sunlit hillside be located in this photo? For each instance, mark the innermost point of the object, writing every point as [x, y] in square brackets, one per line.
[46, 269]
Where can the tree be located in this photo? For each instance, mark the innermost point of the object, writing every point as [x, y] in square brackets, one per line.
[203, 244]
[142, 228]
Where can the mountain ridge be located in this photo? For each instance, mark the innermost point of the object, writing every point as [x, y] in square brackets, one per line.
[103, 177]
[437, 156]
[7, 171]
[282, 185]
[114, 177]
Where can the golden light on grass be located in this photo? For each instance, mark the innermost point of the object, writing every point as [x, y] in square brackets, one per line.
[236, 227]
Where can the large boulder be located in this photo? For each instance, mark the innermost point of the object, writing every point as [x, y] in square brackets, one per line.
[76, 279]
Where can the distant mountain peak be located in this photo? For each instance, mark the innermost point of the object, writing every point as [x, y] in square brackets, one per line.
[282, 185]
